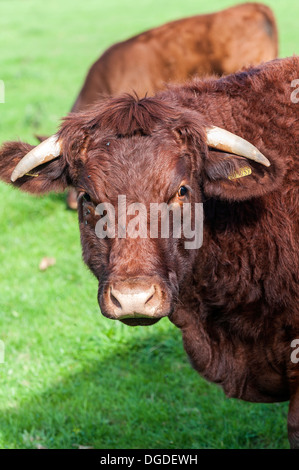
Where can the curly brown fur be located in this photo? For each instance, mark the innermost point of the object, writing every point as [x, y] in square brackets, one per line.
[236, 298]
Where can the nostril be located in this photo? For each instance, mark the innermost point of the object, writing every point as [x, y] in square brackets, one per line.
[149, 294]
[154, 298]
[114, 300]
[149, 299]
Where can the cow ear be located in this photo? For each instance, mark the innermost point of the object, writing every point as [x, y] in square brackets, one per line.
[50, 176]
[236, 178]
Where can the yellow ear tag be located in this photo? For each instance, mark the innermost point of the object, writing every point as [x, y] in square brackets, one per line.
[245, 171]
[34, 175]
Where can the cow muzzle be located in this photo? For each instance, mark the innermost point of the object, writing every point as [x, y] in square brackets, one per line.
[135, 302]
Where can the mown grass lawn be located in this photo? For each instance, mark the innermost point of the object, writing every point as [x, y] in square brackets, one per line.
[72, 377]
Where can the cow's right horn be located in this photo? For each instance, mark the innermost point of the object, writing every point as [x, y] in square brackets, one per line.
[224, 140]
[42, 153]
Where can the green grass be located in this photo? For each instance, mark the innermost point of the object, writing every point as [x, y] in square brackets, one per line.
[72, 377]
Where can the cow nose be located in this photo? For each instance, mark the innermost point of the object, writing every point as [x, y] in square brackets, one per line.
[129, 300]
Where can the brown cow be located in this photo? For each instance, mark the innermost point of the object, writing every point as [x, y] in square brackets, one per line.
[217, 43]
[236, 297]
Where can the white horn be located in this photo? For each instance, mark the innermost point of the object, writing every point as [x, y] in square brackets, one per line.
[42, 153]
[224, 140]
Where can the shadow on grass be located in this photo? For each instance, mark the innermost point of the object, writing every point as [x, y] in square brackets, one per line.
[144, 394]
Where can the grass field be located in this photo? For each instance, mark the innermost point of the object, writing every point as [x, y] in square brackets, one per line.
[71, 377]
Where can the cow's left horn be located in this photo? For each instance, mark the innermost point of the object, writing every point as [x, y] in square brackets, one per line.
[42, 153]
[224, 140]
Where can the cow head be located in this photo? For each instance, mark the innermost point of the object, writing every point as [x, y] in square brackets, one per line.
[124, 152]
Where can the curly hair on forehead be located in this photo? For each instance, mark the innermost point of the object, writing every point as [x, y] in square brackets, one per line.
[124, 116]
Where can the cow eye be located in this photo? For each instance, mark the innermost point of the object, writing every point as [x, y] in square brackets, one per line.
[182, 191]
[86, 197]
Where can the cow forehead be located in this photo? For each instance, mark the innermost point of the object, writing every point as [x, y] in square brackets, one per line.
[137, 162]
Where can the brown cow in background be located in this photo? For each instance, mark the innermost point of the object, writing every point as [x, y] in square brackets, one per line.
[218, 43]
